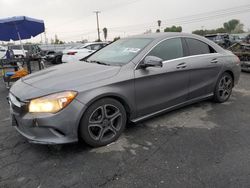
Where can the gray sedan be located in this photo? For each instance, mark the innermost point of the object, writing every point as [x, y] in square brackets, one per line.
[132, 79]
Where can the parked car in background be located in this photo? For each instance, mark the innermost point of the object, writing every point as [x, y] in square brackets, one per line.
[30, 50]
[242, 50]
[235, 39]
[131, 79]
[75, 54]
[3, 51]
[53, 57]
[247, 39]
[222, 39]
[17, 50]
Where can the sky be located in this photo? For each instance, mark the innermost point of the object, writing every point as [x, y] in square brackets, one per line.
[74, 20]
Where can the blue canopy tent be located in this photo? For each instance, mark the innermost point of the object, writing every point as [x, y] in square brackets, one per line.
[20, 27]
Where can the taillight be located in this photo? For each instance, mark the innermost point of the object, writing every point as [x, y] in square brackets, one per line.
[71, 53]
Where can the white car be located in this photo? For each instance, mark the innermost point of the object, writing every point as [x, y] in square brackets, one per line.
[77, 53]
[3, 51]
[18, 52]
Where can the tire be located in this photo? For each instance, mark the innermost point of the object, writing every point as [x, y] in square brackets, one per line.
[223, 89]
[58, 59]
[103, 122]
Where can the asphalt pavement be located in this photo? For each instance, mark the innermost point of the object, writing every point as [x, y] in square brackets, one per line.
[202, 145]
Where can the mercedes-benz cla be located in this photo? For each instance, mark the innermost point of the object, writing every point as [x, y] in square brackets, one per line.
[129, 80]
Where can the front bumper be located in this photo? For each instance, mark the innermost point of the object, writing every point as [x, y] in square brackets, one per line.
[47, 128]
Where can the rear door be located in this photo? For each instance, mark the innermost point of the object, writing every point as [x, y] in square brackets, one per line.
[204, 65]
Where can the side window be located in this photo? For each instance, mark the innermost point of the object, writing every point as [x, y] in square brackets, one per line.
[96, 46]
[197, 47]
[168, 49]
[88, 47]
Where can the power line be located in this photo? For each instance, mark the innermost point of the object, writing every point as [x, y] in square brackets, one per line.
[191, 17]
[186, 20]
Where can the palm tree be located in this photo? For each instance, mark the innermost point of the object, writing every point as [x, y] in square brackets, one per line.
[105, 33]
[159, 25]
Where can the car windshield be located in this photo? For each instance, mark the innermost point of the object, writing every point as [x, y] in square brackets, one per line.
[81, 47]
[120, 52]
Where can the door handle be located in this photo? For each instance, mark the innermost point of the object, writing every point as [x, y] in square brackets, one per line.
[181, 66]
[214, 61]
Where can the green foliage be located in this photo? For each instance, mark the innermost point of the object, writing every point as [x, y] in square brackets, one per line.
[158, 31]
[56, 41]
[173, 29]
[231, 25]
[238, 29]
[207, 32]
[116, 38]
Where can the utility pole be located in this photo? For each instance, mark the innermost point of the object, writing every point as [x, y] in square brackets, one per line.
[45, 36]
[97, 21]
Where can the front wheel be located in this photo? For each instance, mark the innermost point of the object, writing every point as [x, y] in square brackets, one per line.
[103, 122]
[223, 88]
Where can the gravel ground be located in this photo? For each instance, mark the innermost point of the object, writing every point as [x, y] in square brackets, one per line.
[202, 145]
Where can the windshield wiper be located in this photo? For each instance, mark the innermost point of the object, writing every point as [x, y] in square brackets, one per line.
[98, 62]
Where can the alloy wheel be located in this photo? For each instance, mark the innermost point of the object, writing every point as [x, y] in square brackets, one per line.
[225, 87]
[104, 123]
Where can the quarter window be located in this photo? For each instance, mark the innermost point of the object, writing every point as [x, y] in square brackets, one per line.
[197, 47]
[168, 49]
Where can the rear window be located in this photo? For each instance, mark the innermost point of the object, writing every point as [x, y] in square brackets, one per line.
[197, 47]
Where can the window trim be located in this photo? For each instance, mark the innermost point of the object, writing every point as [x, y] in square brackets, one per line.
[137, 66]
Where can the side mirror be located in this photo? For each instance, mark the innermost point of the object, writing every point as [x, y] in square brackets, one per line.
[152, 61]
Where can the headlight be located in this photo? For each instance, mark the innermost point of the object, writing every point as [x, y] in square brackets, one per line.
[52, 103]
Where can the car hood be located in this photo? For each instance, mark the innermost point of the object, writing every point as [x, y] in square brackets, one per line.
[66, 77]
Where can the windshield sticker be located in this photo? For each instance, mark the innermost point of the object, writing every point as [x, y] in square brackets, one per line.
[131, 50]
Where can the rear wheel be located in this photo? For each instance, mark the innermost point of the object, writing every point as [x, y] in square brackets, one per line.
[103, 122]
[223, 88]
[58, 59]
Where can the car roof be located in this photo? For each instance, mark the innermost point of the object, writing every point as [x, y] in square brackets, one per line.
[157, 37]
[162, 35]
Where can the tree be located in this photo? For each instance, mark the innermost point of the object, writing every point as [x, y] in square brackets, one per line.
[233, 25]
[159, 25]
[105, 33]
[57, 41]
[208, 32]
[116, 38]
[239, 29]
[173, 29]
